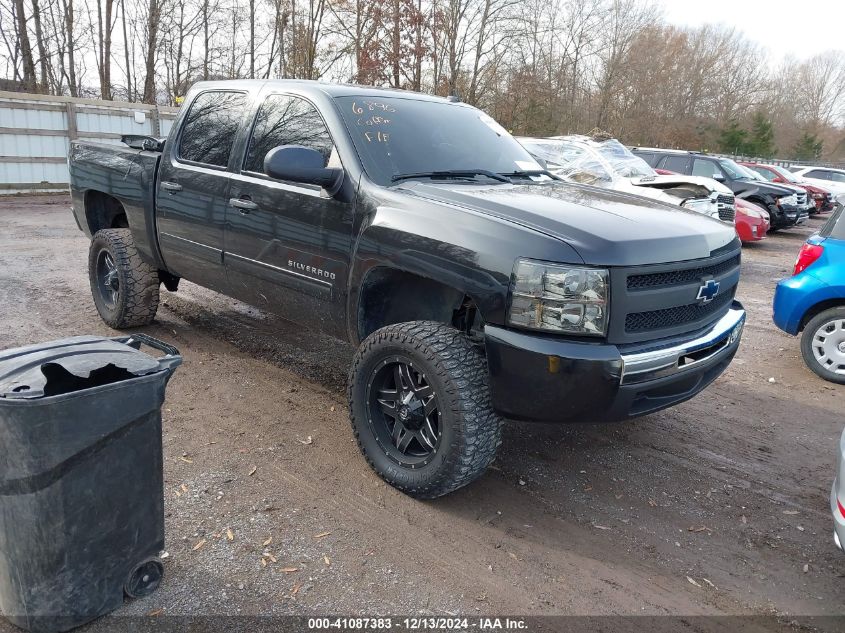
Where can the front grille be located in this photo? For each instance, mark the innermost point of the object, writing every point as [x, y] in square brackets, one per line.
[657, 301]
[725, 204]
[678, 277]
[673, 317]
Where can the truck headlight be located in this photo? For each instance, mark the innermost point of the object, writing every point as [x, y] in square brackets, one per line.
[702, 205]
[559, 298]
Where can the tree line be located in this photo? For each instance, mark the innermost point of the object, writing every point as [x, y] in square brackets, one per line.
[540, 67]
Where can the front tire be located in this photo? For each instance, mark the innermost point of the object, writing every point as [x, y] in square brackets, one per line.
[823, 344]
[125, 287]
[420, 407]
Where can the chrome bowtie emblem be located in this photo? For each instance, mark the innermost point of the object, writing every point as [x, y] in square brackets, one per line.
[708, 291]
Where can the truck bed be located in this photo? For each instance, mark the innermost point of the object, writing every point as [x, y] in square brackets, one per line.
[127, 174]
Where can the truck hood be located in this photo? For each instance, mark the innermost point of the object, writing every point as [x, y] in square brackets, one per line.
[661, 182]
[746, 188]
[605, 227]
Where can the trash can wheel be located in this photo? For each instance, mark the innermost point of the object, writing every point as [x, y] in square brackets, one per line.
[144, 579]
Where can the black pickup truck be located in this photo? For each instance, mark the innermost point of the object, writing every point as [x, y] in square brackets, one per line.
[476, 285]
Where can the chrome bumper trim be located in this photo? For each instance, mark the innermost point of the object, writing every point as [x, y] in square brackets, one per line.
[722, 337]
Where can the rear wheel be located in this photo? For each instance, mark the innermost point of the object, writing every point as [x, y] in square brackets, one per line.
[420, 408]
[125, 288]
[823, 344]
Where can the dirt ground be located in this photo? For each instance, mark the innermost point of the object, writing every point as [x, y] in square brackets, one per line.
[718, 506]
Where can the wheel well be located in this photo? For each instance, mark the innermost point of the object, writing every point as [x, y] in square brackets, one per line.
[103, 211]
[818, 309]
[391, 296]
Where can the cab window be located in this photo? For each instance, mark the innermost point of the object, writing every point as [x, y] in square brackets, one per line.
[210, 127]
[768, 174]
[821, 174]
[678, 164]
[286, 120]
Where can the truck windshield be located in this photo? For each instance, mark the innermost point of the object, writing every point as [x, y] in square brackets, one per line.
[752, 175]
[785, 174]
[623, 162]
[395, 137]
[588, 162]
[733, 170]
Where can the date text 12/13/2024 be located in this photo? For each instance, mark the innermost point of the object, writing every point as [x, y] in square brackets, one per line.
[417, 624]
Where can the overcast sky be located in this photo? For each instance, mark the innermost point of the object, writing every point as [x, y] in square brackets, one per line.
[798, 27]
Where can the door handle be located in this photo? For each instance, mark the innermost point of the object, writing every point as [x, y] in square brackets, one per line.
[172, 187]
[244, 206]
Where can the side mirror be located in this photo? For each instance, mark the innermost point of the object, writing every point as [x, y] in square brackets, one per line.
[777, 179]
[719, 177]
[296, 163]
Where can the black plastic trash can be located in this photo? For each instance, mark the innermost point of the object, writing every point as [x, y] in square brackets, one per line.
[81, 481]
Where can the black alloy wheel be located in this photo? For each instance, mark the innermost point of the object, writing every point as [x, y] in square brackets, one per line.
[404, 412]
[108, 280]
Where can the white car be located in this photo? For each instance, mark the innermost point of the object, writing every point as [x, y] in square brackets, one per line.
[827, 177]
[608, 163]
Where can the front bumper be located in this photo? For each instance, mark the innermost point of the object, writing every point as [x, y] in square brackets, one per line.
[549, 379]
[782, 217]
[751, 229]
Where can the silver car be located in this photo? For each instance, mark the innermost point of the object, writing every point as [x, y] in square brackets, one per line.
[837, 497]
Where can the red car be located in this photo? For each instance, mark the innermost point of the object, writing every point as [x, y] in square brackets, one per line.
[776, 173]
[752, 221]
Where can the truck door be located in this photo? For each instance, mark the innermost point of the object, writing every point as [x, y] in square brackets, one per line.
[193, 182]
[287, 245]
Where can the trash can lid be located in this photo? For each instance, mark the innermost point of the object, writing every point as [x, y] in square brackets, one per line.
[70, 364]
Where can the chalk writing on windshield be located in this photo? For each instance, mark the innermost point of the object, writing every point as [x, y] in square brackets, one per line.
[373, 117]
[371, 106]
[377, 137]
[373, 120]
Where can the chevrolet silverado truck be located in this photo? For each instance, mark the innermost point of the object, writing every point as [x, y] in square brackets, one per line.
[476, 285]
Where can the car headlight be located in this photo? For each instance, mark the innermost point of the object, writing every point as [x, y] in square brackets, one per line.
[559, 298]
[702, 205]
[751, 213]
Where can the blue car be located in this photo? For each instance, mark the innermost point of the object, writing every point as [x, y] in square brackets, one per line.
[813, 300]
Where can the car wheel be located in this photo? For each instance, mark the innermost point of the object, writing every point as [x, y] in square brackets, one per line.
[823, 344]
[125, 288]
[420, 408]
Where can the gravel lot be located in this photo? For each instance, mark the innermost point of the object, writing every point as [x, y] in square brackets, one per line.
[716, 507]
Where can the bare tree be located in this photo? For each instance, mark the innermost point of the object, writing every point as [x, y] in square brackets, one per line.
[27, 60]
[153, 23]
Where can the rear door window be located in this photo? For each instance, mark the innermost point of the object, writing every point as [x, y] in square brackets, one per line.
[676, 163]
[821, 174]
[648, 157]
[286, 120]
[210, 128]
